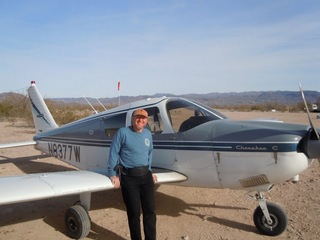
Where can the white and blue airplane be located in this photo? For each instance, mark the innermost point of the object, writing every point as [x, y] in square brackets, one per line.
[194, 145]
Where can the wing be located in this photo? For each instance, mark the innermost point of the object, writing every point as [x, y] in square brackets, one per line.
[28, 187]
[22, 188]
[17, 144]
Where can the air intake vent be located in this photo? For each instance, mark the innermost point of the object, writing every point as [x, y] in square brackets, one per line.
[254, 181]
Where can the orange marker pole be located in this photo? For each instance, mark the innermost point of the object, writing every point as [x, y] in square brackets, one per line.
[119, 92]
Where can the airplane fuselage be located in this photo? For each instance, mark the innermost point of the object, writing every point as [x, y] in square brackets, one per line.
[210, 150]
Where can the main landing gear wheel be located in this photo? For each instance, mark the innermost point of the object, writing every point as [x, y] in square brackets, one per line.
[278, 223]
[77, 222]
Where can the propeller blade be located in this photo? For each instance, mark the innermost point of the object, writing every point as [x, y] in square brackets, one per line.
[308, 113]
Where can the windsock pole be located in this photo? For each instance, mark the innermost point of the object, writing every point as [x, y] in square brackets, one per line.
[119, 92]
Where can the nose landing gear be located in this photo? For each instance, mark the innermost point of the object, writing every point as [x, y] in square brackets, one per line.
[269, 218]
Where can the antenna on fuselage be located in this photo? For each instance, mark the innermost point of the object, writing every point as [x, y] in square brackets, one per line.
[90, 105]
[101, 104]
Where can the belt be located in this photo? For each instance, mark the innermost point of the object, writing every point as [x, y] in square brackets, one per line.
[135, 172]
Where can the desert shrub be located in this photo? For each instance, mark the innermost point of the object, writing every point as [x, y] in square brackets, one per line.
[15, 106]
[5, 109]
[18, 107]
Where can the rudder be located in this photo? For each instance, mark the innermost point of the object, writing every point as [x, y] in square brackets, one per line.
[42, 117]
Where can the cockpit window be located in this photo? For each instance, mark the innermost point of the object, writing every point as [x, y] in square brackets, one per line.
[185, 115]
[155, 124]
[113, 123]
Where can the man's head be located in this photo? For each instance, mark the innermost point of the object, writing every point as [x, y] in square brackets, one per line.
[140, 112]
[139, 119]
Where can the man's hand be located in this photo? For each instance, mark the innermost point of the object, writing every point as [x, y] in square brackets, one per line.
[155, 178]
[115, 181]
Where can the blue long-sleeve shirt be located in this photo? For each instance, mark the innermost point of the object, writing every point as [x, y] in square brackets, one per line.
[130, 149]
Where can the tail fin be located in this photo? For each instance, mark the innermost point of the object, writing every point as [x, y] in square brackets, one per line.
[42, 117]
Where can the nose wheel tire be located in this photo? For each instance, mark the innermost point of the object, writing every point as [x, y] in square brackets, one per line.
[77, 222]
[276, 226]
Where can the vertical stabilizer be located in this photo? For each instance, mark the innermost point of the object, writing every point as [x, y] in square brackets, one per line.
[42, 117]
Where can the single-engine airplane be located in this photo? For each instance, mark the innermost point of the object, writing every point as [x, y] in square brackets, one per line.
[194, 145]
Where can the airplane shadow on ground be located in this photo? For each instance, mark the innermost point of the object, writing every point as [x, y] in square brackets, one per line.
[52, 211]
[172, 206]
[29, 165]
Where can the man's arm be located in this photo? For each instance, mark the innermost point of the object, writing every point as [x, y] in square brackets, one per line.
[155, 177]
[113, 160]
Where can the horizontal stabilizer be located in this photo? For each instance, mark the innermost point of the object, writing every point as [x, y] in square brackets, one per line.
[17, 144]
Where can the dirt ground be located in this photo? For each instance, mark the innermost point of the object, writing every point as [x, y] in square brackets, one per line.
[182, 213]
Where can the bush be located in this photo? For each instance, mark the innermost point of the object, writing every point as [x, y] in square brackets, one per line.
[16, 106]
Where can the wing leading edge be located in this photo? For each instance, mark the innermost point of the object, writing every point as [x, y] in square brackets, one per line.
[29, 187]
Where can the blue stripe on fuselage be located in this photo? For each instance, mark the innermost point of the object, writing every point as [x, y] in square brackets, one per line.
[193, 145]
[227, 146]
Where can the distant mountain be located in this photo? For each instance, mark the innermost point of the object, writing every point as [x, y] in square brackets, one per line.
[212, 99]
[216, 99]
[10, 95]
[253, 98]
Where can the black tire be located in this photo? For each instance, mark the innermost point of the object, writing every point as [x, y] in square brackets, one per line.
[279, 220]
[77, 222]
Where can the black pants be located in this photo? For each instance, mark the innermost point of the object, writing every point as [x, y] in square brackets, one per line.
[136, 192]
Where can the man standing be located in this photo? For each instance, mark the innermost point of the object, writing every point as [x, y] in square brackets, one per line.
[129, 165]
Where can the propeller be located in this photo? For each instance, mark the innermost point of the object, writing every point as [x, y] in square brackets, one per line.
[308, 112]
[312, 142]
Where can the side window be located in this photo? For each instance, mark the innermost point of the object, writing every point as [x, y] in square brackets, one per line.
[113, 123]
[179, 116]
[85, 130]
[155, 124]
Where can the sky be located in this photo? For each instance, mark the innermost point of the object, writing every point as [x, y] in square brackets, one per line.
[75, 48]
